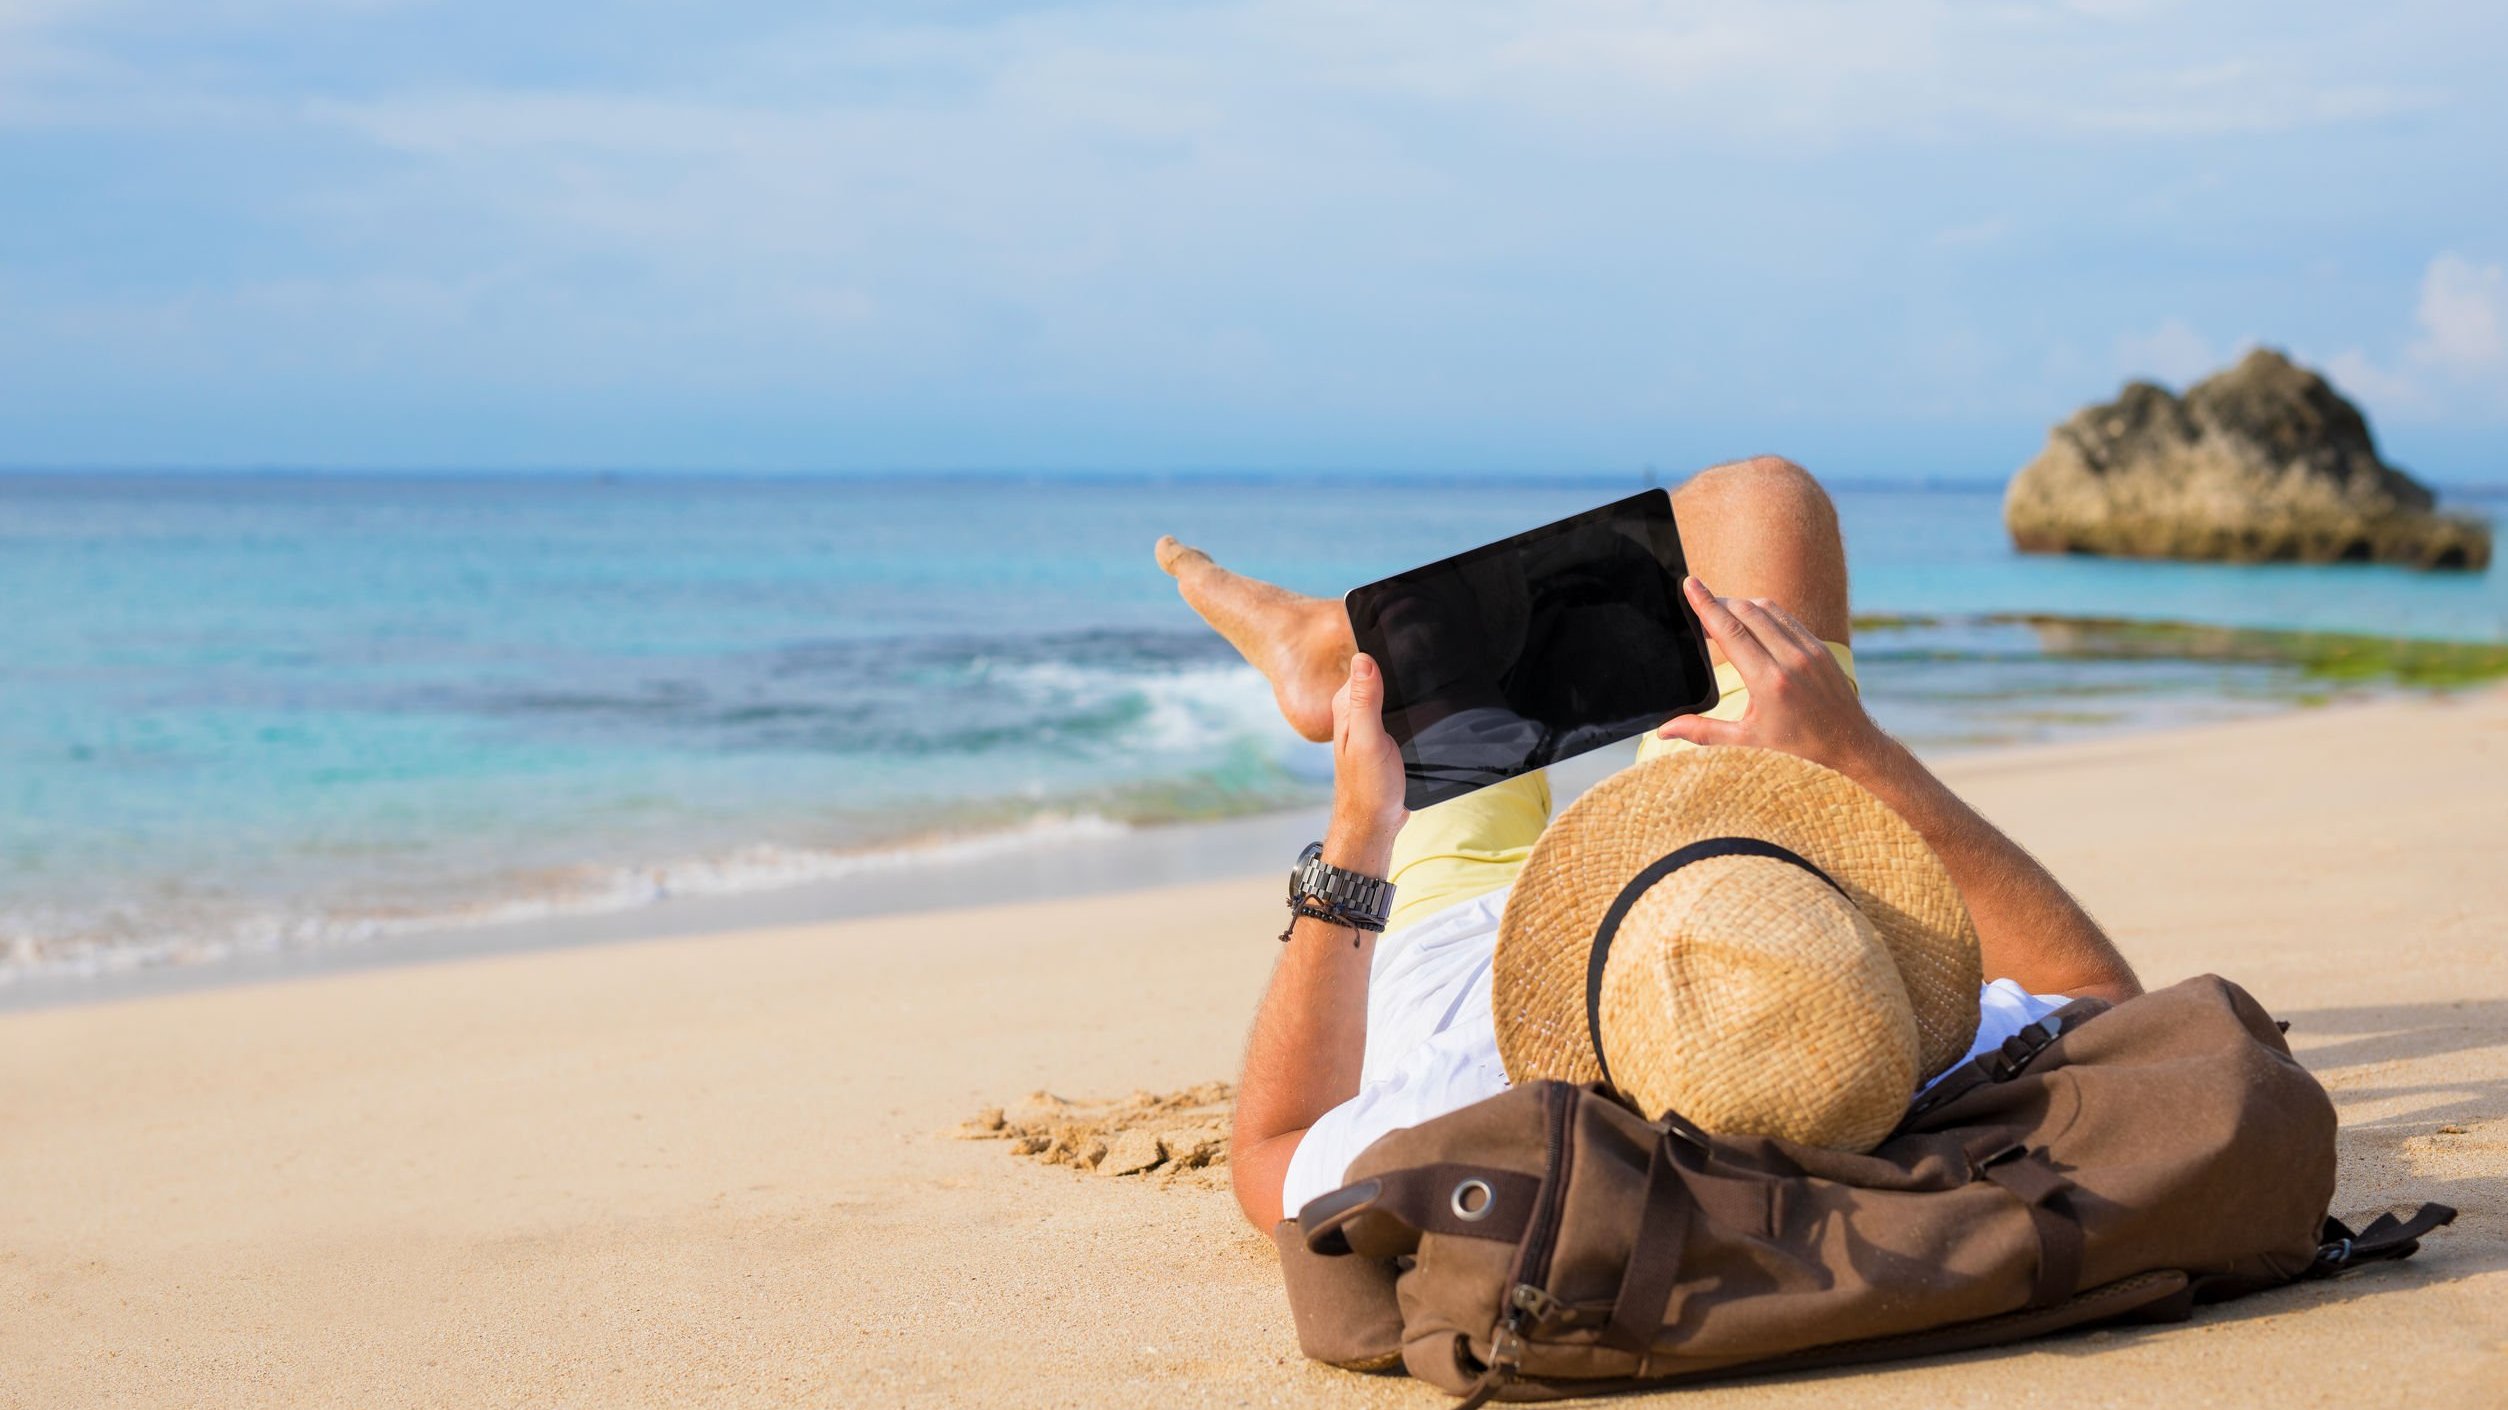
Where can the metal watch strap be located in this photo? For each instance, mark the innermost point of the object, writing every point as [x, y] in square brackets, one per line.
[1322, 891]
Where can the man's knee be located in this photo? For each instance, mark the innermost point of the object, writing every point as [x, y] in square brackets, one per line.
[1763, 527]
[1762, 487]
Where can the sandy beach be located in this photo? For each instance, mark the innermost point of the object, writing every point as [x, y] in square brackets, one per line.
[724, 1169]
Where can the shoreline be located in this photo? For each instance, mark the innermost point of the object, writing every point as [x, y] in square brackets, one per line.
[722, 1167]
[1141, 858]
[1048, 868]
[1010, 866]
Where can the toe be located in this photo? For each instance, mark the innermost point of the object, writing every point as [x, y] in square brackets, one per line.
[1172, 555]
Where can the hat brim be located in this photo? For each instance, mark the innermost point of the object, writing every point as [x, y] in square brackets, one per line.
[1592, 849]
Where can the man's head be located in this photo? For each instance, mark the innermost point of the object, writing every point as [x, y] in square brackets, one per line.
[1741, 937]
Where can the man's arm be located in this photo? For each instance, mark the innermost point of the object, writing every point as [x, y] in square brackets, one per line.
[2029, 927]
[1310, 1033]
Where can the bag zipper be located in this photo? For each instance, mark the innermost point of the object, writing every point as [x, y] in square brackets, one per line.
[1529, 1302]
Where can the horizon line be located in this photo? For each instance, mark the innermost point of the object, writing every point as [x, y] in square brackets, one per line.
[1644, 477]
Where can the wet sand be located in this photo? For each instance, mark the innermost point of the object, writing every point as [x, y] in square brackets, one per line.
[727, 1168]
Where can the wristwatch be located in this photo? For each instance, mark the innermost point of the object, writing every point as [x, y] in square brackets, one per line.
[1323, 891]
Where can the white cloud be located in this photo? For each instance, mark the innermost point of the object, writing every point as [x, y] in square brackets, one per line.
[2457, 350]
[2463, 306]
[1215, 125]
[1780, 71]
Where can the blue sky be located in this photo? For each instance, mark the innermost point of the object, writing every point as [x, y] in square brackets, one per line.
[1889, 238]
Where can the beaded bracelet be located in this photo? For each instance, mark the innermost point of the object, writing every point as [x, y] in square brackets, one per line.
[1315, 908]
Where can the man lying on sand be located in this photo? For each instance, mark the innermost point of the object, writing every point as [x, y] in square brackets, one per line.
[1358, 1036]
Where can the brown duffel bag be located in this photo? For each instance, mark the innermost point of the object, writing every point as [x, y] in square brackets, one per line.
[2110, 1162]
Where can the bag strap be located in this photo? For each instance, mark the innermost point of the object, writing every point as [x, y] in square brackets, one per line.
[1654, 1256]
[2006, 1060]
[1472, 1201]
[2028, 1177]
[2384, 1240]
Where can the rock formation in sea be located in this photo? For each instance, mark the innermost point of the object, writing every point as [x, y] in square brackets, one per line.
[2264, 462]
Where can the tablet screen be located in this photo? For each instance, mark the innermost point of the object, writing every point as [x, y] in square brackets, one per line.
[1536, 648]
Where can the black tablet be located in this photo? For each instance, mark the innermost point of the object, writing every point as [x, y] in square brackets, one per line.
[1535, 648]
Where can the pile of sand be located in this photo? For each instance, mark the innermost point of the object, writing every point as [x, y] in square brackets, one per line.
[1179, 1137]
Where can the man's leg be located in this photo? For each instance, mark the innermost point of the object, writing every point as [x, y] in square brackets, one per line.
[1763, 527]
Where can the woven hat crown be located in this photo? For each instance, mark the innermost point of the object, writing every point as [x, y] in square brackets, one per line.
[1748, 995]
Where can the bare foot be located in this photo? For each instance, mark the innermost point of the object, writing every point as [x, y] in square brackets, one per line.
[1301, 644]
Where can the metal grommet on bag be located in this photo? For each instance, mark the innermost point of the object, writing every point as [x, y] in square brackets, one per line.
[1467, 1211]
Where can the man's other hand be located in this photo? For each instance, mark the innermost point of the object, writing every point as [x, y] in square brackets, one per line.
[1367, 777]
[1801, 701]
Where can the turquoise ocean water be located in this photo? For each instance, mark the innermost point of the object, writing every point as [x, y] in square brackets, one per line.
[248, 712]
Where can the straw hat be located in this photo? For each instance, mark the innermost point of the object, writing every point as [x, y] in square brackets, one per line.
[1780, 954]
